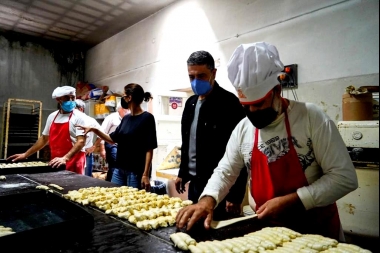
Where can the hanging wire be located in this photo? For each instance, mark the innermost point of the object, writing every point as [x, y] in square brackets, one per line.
[294, 94]
[286, 85]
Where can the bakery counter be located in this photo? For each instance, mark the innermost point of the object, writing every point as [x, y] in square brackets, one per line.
[109, 234]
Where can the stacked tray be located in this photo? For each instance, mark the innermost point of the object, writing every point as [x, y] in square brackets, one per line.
[39, 218]
[8, 167]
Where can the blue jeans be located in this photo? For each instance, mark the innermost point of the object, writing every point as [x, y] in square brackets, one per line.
[126, 178]
[89, 161]
[111, 151]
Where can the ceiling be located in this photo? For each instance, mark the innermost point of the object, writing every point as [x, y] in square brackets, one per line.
[86, 22]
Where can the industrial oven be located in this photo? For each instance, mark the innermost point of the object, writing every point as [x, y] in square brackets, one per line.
[359, 210]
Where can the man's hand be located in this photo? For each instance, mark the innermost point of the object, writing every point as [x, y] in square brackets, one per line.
[274, 207]
[189, 215]
[145, 183]
[103, 153]
[17, 157]
[179, 186]
[90, 150]
[233, 208]
[58, 161]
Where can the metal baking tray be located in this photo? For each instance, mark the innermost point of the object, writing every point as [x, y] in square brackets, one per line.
[28, 170]
[41, 218]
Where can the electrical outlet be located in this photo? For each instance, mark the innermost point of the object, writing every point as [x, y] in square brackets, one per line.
[288, 77]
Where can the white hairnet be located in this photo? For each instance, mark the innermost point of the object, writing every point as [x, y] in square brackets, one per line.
[253, 70]
[118, 106]
[80, 103]
[63, 91]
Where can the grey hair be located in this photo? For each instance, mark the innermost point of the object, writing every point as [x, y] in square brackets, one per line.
[201, 58]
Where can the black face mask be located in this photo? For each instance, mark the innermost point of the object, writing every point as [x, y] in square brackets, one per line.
[124, 103]
[261, 118]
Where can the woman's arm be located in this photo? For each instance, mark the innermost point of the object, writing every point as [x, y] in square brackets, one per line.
[145, 180]
[102, 135]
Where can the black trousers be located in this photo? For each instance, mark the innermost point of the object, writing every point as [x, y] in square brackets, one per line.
[194, 192]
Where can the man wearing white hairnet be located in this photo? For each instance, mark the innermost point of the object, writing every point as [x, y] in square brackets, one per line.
[65, 140]
[298, 163]
[89, 146]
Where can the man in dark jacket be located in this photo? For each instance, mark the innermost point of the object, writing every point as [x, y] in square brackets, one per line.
[207, 122]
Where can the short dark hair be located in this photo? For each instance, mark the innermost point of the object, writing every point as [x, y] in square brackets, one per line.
[201, 58]
[137, 92]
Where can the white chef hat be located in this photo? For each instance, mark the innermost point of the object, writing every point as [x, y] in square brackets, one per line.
[118, 106]
[253, 70]
[63, 91]
[80, 103]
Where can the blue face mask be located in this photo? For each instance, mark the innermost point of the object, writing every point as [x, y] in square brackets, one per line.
[68, 106]
[200, 87]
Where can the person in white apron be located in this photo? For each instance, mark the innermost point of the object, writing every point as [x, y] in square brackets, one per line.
[297, 161]
[65, 140]
[89, 147]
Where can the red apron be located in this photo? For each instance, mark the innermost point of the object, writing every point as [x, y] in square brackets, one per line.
[285, 176]
[60, 144]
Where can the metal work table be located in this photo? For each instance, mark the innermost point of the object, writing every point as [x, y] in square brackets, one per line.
[111, 234]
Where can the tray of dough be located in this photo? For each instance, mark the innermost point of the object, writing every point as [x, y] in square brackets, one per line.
[8, 167]
[37, 218]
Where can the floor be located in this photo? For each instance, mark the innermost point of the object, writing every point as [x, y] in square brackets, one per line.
[369, 243]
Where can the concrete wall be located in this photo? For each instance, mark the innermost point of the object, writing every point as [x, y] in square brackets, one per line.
[335, 44]
[31, 69]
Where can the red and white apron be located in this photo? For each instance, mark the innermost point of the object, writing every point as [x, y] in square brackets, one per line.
[283, 177]
[60, 144]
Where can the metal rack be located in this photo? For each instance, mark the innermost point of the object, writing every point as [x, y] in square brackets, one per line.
[21, 126]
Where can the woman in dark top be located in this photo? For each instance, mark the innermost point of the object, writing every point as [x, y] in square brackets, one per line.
[135, 137]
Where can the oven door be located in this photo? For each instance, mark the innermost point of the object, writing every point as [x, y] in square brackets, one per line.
[359, 210]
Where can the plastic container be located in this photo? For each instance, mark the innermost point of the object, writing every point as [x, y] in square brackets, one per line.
[357, 107]
[158, 187]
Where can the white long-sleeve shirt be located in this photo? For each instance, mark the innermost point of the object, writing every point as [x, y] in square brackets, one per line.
[320, 148]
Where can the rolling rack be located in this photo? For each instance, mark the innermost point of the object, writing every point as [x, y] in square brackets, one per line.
[21, 126]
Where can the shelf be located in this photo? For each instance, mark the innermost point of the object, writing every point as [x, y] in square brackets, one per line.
[164, 142]
[168, 174]
[188, 90]
[168, 118]
[173, 94]
[21, 125]
[20, 144]
[97, 170]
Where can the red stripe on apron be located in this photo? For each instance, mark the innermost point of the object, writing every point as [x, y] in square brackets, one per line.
[60, 144]
[285, 176]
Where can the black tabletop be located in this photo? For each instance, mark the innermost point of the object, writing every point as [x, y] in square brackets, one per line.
[111, 234]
